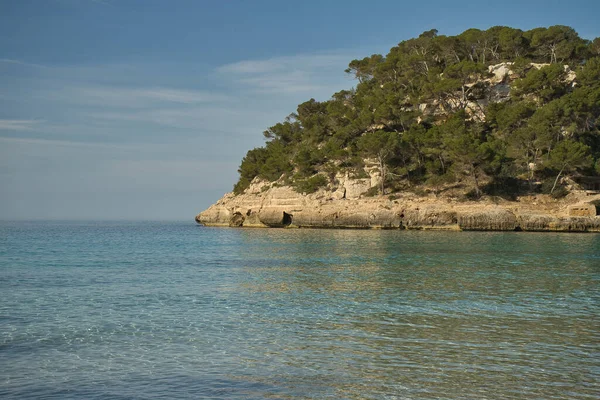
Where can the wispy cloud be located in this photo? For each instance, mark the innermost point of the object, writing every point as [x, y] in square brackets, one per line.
[289, 74]
[75, 3]
[113, 96]
[103, 2]
[18, 124]
[20, 62]
[298, 62]
[227, 119]
[252, 67]
[286, 82]
[63, 143]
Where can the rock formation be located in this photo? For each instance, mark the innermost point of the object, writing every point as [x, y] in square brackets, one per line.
[270, 205]
[343, 196]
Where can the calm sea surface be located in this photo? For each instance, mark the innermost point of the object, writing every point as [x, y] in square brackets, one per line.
[174, 310]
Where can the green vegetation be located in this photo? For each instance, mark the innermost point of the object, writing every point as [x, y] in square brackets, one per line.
[431, 113]
[310, 185]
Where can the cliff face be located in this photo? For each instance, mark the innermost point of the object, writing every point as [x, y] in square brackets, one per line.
[263, 205]
[344, 203]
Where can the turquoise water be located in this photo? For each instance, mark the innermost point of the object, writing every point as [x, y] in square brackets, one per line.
[175, 310]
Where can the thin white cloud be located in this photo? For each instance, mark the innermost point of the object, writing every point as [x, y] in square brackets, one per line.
[183, 150]
[289, 74]
[113, 96]
[301, 62]
[177, 96]
[226, 119]
[62, 143]
[18, 124]
[103, 2]
[291, 82]
[19, 62]
[252, 67]
[77, 3]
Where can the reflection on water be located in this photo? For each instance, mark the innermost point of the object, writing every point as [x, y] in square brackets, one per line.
[178, 311]
[429, 315]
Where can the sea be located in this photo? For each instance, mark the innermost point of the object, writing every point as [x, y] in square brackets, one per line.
[146, 310]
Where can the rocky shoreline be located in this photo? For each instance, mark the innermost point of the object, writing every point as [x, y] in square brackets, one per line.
[265, 205]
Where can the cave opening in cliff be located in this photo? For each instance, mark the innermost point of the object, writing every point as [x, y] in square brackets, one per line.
[596, 204]
[287, 219]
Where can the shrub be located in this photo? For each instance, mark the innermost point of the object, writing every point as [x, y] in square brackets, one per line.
[310, 185]
[506, 187]
[472, 195]
[241, 185]
[559, 192]
[373, 191]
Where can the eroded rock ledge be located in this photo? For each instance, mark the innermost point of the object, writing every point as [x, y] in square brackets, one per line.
[266, 206]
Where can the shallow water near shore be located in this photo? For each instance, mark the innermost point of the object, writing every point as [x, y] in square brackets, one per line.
[174, 310]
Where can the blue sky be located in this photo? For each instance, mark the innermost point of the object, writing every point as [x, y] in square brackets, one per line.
[123, 109]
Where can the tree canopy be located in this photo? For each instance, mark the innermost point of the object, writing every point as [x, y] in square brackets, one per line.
[436, 107]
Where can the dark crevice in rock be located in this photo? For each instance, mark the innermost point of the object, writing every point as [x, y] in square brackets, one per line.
[237, 220]
[287, 219]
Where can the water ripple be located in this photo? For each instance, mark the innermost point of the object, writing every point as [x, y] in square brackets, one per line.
[155, 310]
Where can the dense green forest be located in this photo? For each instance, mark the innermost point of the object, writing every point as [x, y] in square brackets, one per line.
[431, 114]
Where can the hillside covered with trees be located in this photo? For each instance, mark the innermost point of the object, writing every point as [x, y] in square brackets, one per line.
[501, 111]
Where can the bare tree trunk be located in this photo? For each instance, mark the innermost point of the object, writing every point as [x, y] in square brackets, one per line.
[529, 169]
[556, 180]
[494, 51]
[474, 173]
[534, 161]
[382, 170]
[407, 169]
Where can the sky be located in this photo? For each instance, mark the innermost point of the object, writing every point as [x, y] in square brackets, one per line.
[143, 109]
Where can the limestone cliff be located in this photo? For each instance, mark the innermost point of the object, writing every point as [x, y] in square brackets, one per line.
[269, 205]
[345, 201]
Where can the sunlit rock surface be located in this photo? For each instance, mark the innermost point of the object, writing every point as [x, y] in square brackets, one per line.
[346, 206]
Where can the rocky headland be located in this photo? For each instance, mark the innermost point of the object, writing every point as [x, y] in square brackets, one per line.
[495, 130]
[269, 205]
